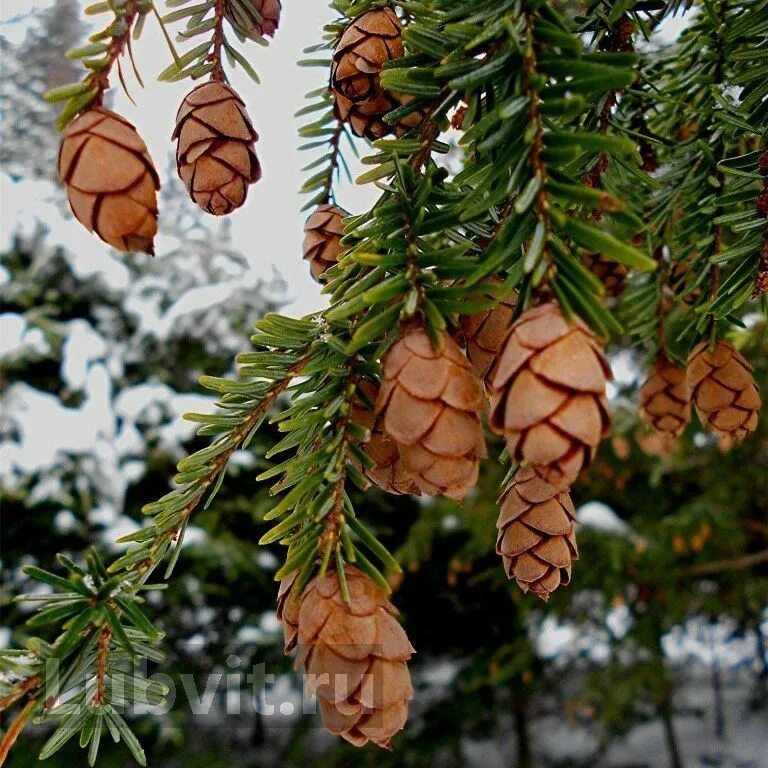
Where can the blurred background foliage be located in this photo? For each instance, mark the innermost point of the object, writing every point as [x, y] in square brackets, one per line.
[655, 655]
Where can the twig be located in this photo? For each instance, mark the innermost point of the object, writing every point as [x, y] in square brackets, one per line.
[218, 41]
[100, 80]
[220, 463]
[17, 726]
[102, 656]
[24, 687]
[742, 563]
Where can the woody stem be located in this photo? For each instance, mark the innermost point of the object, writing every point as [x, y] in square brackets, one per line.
[218, 42]
[16, 727]
[100, 80]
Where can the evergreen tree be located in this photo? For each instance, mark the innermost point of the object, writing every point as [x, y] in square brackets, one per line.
[589, 159]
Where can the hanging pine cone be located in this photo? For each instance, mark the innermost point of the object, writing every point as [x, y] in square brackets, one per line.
[536, 537]
[263, 17]
[367, 44]
[110, 179]
[215, 155]
[548, 393]
[431, 402]
[388, 471]
[355, 658]
[723, 390]
[609, 272]
[665, 404]
[323, 231]
[484, 333]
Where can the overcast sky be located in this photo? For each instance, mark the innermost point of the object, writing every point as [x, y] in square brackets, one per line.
[269, 227]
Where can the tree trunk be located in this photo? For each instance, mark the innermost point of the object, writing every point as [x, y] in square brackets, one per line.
[762, 653]
[717, 693]
[670, 735]
[520, 712]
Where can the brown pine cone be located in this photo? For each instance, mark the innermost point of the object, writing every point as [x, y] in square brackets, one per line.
[388, 471]
[723, 390]
[215, 155]
[548, 393]
[536, 536]
[366, 118]
[268, 10]
[323, 231]
[355, 658]
[610, 273]
[367, 44]
[665, 404]
[431, 403]
[110, 179]
[484, 333]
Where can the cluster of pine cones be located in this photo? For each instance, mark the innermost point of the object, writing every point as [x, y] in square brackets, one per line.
[540, 377]
[111, 180]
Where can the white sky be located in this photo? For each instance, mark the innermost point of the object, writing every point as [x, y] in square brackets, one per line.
[269, 227]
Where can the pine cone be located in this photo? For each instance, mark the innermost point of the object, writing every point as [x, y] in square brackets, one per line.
[367, 44]
[665, 404]
[431, 403]
[322, 238]
[388, 471]
[536, 537]
[548, 393]
[484, 333]
[723, 390]
[610, 273]
[355, 658]
[366, 118]
[269, 10]
[110, 179]
[215, 155]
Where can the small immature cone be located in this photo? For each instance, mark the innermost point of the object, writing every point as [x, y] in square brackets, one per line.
[215, 155]
[431, 402]
[355, 657]
[388, 471]
[536, 537]
[269, 10]
[723, 390]
[665, 403]
[110, 179]
[610, 273]
[323, 231]
[484, 333]
[548, 393]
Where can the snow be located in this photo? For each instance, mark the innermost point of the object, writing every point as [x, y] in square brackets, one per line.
[82, 347]
[595, 514]
[17, 337]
